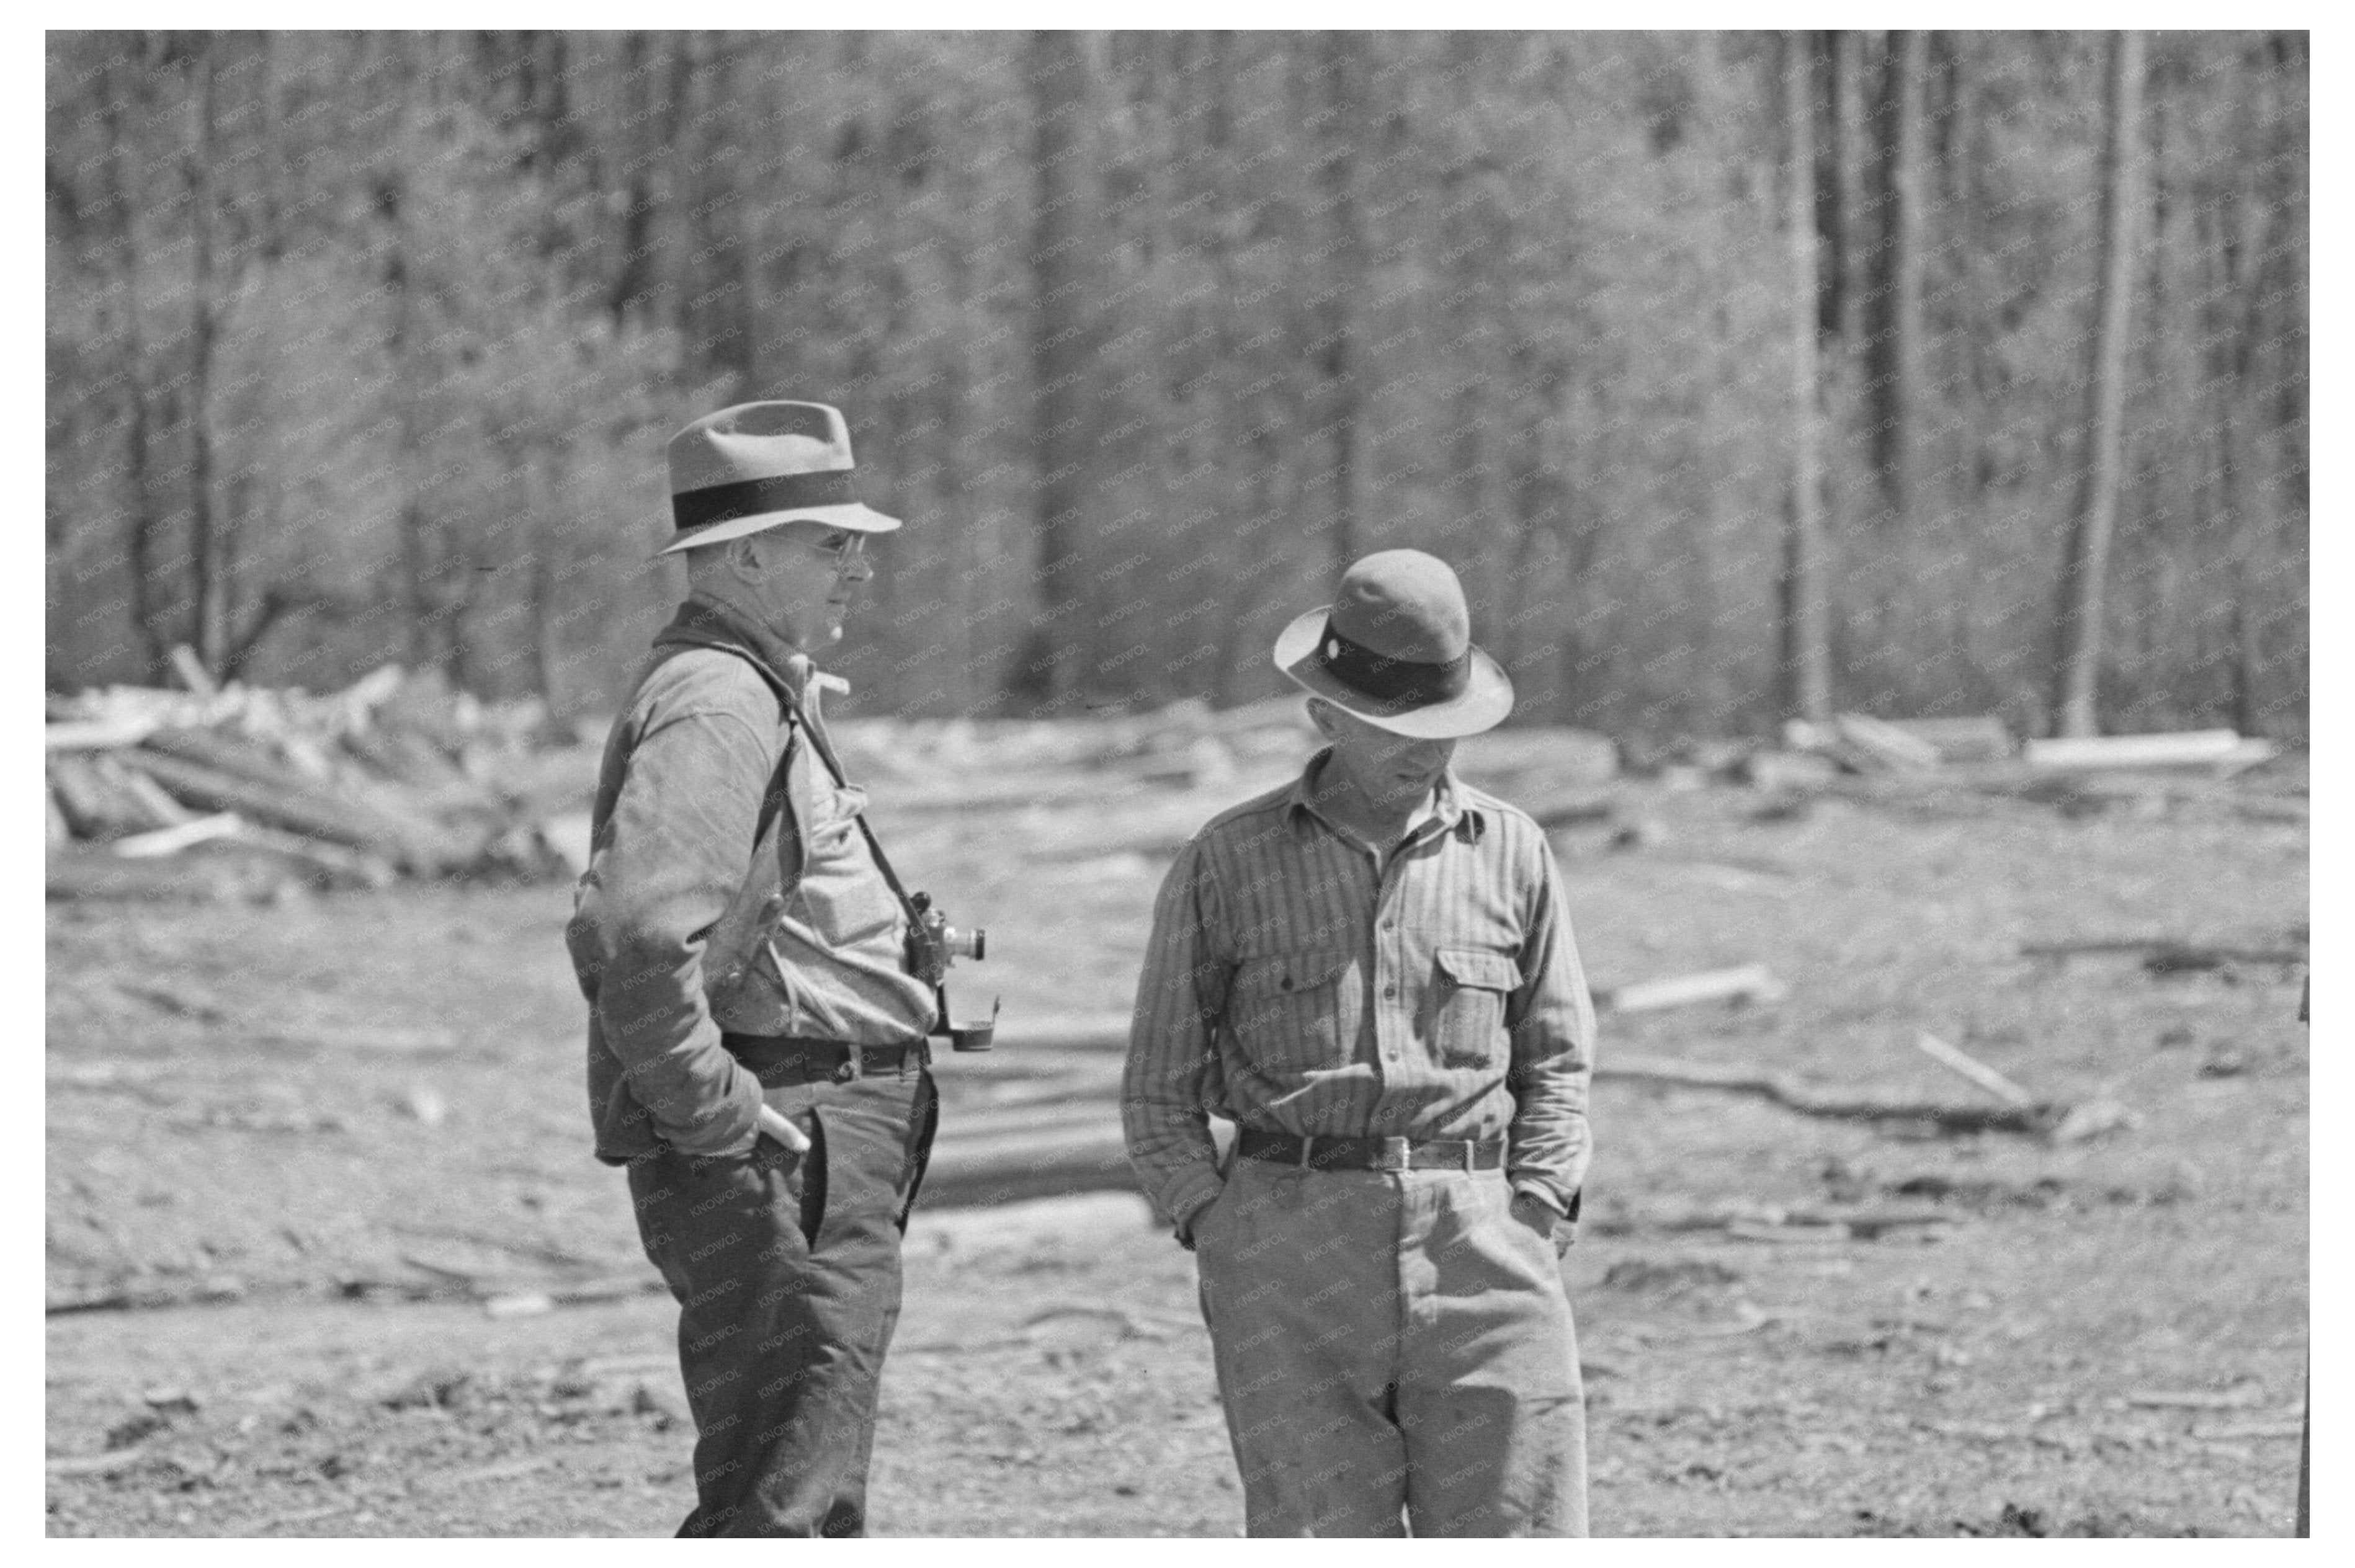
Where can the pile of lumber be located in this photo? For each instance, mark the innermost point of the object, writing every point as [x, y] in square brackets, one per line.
[1092, 787]
[247, 790]
[1043, 1118]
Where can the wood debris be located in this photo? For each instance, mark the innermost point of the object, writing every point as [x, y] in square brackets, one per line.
[1745, 983]
[247, 790]
[2222, 751]
[2048, 1120]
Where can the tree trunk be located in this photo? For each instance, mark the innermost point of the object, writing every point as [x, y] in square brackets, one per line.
[1897, 368]
[1063, 335]
[144, 543]
[1337, 359]
[2094, 515]
[1847, 123]
[209, 550]
[1806, 639]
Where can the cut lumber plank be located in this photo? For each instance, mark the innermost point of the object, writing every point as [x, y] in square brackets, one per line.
[152, 797]
[95, 804]
[1959, 1061]
[172, 841]
[2186, 748]
[418, 844]
[2164, 953]
[192, 672]
[1980, 738]
[964, 1172]
[222, 872]
[1088, 1032]
[98, 734]
[1886, 744]
[1749, 982]
[98, 1464]
[1807, 1101]
[1082, 1116]
[333, 865]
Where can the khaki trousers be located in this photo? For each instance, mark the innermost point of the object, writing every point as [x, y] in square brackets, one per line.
[1394, 1352]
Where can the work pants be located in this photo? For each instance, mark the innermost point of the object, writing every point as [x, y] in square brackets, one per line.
[1395, 1353]
[787, 1268]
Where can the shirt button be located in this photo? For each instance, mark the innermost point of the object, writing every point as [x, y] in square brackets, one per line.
[1389, 925]
[1391, 991]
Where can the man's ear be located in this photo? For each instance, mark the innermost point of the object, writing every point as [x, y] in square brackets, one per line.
[1320, 713]
[744, 558]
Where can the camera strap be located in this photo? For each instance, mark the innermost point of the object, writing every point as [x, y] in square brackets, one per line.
[773, 799]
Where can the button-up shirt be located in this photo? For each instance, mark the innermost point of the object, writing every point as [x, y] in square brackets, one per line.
[702, 913]
[1298, 982]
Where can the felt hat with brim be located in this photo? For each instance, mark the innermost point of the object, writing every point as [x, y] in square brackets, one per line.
[762, 465]
[1395, 648]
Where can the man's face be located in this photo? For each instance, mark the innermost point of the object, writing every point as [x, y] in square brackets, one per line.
[1390, 771]
[805, 575]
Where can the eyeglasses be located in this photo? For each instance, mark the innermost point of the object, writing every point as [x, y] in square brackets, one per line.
[845, 548]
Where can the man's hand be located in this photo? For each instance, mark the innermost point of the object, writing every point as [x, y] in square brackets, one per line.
[777, 1125]
[1543, 1218]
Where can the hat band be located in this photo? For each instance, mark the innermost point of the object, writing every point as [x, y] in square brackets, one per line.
[750, 497]
[1398, 681]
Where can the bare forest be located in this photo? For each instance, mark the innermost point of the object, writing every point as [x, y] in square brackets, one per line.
[1740, 374]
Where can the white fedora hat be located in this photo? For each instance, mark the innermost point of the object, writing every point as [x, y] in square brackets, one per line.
[760, 465]
[1395, 648]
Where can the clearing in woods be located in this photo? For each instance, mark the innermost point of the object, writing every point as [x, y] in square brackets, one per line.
[308, 1110]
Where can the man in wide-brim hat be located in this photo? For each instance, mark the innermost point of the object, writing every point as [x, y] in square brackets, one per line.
[1370, 972]
[757, 1049]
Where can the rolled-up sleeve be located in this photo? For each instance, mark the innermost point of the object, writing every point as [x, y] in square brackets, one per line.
[1551, 1021]
[673, 858]
[1180, 1000]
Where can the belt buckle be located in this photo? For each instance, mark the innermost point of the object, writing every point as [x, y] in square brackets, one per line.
[1396, 1155]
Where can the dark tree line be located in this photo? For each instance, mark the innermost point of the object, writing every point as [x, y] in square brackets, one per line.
[1738, 373]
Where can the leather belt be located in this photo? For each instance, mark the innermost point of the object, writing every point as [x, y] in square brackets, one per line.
[778, 1060]
[1370, 1153]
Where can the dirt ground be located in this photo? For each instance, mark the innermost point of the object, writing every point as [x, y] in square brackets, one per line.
[287, 1119]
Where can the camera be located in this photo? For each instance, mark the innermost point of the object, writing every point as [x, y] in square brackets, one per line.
[933, 945]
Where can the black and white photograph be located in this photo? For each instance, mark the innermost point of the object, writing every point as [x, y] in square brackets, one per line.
[1178, 781]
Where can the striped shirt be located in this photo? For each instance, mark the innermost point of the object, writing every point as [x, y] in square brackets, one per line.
[1294, 984]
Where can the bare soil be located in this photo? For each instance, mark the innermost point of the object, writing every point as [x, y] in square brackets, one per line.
[292, 1118]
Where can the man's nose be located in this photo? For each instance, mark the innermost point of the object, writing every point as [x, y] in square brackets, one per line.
[857, 568]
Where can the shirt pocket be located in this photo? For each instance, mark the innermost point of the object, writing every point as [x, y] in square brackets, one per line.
[1469, 1026]
[1288, 1010]
[841, 893]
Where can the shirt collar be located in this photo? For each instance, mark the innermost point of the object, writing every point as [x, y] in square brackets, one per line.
[1451, 812]
[707, 622]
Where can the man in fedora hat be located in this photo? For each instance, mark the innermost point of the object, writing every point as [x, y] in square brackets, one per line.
[1370, 972]
[756, 1043]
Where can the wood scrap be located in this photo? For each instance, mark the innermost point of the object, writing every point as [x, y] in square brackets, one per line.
[98, 735]
[191, 671]
[2041, 1120]
[2247, 1430]
[1983, 737]
[1745, 983]
[2222, 750]
[218, 873]
[173, 840]
[2164, 955]
[1973, 1069]
[69, 1465]
[2196, 1399]
[418, 844]
[1885, 743]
